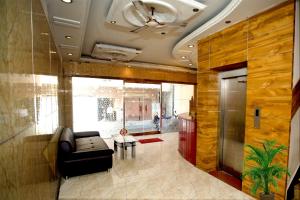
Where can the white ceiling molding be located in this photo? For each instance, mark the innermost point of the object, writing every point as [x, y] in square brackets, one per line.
[235, 11]
[176, 52]
[140, 65]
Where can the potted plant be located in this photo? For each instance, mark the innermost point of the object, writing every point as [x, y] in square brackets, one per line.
[265, 173]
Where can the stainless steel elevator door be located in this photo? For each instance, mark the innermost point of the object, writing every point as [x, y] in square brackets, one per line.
[233, 107]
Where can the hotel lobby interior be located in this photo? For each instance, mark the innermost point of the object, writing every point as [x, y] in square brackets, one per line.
[149, 99]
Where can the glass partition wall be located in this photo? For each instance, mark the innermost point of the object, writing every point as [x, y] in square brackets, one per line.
[108, 105]
[175, 101]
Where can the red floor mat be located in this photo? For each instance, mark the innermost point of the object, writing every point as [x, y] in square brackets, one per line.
[227, 178]
[150, 140]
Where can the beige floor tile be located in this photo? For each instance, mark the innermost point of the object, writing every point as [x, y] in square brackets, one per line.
[157, 172]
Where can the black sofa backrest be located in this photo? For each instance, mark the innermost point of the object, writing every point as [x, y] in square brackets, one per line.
[67, 141]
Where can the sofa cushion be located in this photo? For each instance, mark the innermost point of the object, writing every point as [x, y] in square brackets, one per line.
[67, 141]
[90, 143]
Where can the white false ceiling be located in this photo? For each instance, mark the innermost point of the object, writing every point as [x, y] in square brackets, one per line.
[85, 21]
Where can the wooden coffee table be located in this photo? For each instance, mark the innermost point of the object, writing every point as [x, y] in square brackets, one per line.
[123, 142]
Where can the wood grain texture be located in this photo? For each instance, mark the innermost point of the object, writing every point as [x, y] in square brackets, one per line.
[207, 110]
[265, 42]
[270, 62]
[127, 73]
[296, 98]
[229, 46]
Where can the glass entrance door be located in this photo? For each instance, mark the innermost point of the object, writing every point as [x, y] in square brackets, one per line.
[142, 107]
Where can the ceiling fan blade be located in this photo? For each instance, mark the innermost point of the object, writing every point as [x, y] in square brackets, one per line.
[138, 29]
[142, 10]
[159, 23]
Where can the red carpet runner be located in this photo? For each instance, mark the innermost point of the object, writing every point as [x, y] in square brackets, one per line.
[231, 180]
[150, 140]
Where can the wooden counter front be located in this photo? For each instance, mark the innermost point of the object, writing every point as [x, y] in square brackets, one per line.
[187, 138]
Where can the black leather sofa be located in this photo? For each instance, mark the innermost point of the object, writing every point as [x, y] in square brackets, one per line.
[82, 153]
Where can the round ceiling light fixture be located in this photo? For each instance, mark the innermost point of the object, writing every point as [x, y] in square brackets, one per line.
[190, 64]
[190, 46]
[69, 54]
[68, 37]
[67, 1]
[183, 57]
[163, 12]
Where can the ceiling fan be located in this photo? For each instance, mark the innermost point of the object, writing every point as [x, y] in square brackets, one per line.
[149, 18]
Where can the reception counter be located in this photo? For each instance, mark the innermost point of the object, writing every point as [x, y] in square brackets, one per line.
[187, 138]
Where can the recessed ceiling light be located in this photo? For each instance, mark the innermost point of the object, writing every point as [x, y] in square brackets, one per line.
[183, 57]
[190, 64]
[69, 54]
[67, 1]
[228, 22]
[113, 22]
[68, 37]
[190, 45]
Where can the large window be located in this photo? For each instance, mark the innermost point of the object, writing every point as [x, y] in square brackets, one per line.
[97, 105]
[107, 105]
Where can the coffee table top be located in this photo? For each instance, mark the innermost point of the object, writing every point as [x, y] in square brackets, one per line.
[121, 139]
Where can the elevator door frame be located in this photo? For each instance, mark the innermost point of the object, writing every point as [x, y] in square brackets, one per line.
[222, 77]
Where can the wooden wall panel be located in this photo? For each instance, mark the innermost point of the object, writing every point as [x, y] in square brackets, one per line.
[229, 45]
[207, 110]
[269, 81]
[124, 72]
[265, 41]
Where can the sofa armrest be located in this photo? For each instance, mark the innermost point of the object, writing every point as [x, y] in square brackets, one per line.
[79, 155]
[86, 134]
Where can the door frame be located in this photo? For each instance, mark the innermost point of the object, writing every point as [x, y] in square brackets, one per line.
[221, 79]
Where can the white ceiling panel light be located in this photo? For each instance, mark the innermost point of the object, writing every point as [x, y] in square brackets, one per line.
[67, 1]
[114, 53]
[66, 22]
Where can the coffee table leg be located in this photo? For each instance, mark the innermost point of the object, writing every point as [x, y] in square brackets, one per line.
[133, 151]
[122, 152]
[115, 146]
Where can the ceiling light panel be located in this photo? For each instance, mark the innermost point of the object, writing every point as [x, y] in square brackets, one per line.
[112, 52]
[67, 1]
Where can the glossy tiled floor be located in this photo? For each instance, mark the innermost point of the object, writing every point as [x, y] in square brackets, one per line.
[157, 172]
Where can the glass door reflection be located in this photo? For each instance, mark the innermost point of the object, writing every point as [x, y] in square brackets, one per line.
[142, 107]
